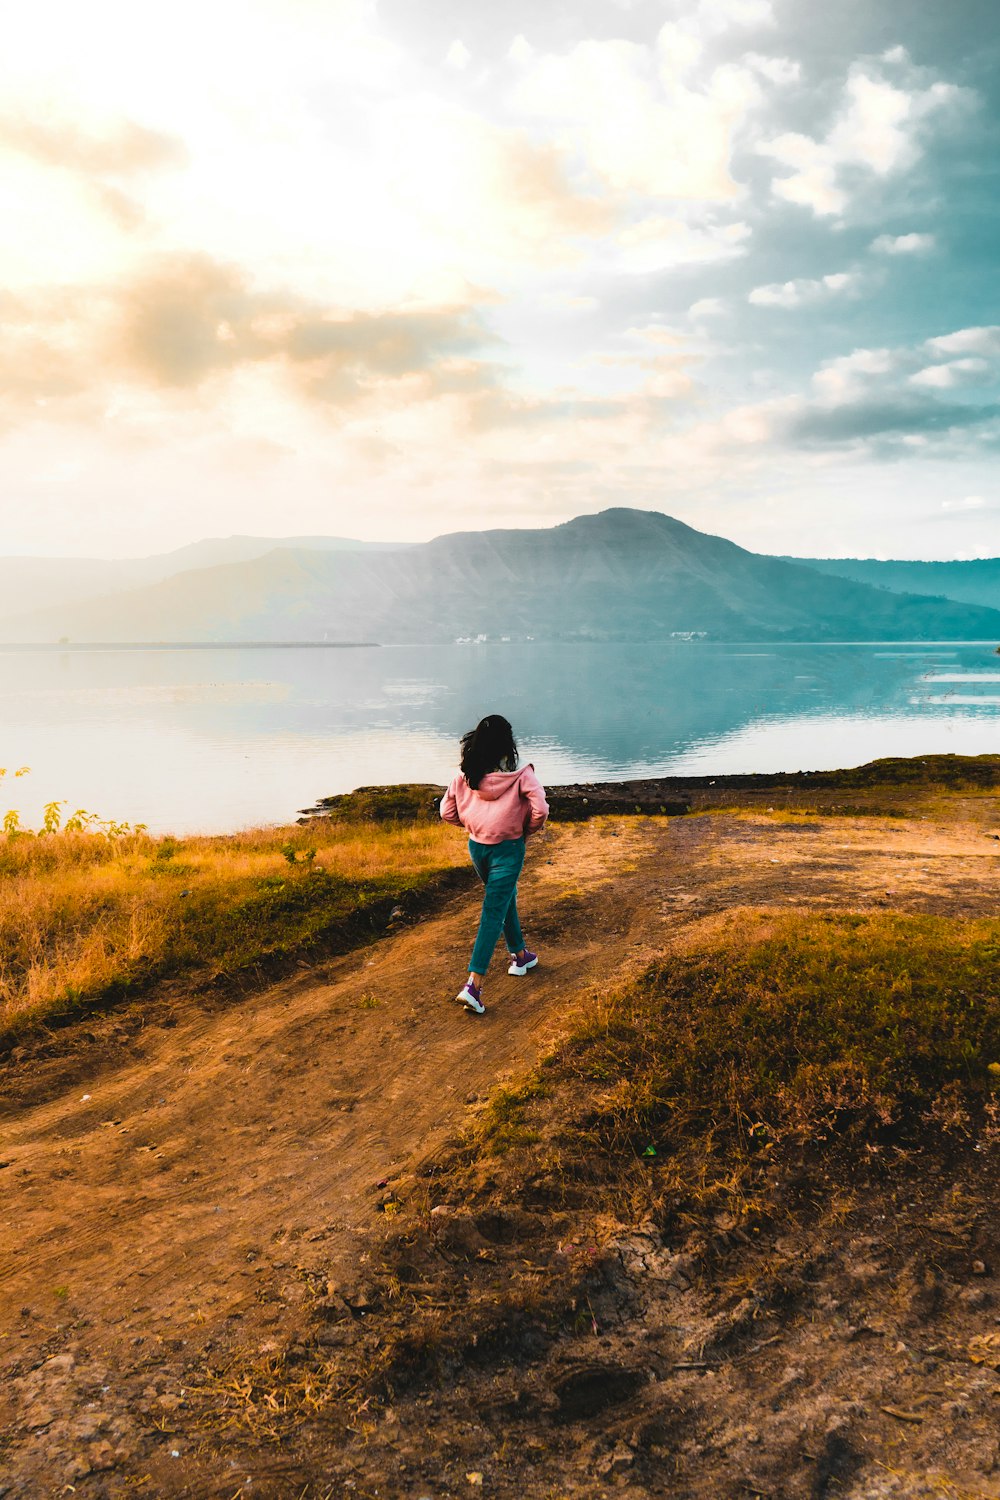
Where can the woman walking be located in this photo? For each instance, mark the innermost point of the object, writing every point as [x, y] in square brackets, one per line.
[498, 806]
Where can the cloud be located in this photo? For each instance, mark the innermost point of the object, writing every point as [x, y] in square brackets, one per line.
[846, 378]
[43, 354]
[894, 392]
[983, 340]
[891, 416]
[186, 321]
[657, 121]
[710, 17]
[791, 294]
[969, 503]
[878, 130]
[658, 243]
[120, 151]
[107, 162]
[191, 318]
[946, 377]
[875, 402]
[707, 307]
[458, 55]
[903, 244]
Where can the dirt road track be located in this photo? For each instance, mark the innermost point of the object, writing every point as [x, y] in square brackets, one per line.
[180, 1205]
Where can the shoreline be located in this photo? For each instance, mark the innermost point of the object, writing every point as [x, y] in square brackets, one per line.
[677, 795]
[916, 642]
[186, 645]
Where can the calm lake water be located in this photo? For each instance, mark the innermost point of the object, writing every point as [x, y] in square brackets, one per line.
[217, 739]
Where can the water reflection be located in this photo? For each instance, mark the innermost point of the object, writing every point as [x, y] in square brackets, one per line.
[210, 739]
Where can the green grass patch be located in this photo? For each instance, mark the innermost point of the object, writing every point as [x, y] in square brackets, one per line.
[506, 1119]
[790, 1034]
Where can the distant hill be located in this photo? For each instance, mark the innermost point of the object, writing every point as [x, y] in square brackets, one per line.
[42, 582]
[975, 582]
[620, 575]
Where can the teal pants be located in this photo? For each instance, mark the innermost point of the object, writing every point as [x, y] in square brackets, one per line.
[498, 866]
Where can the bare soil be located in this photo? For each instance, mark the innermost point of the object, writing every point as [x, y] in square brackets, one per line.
[191, 1203]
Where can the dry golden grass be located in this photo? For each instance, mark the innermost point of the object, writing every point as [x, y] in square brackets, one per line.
[84, 916]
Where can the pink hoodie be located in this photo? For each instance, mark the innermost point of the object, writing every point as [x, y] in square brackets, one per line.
[506, 805]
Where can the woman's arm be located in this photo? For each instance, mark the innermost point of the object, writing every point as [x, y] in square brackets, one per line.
[449, 807]
[538, 808]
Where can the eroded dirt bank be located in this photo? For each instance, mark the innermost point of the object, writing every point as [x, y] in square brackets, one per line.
[213, 1206]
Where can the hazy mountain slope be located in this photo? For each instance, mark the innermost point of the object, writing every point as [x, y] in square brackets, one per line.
[218, 551]
[622, 574]
[45, 582]
[37, 582]
[974, 582]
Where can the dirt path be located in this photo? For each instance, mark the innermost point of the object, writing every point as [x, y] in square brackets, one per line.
[178, 1205]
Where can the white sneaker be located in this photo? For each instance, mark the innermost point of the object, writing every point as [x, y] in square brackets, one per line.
[470, 999]
[530, 960]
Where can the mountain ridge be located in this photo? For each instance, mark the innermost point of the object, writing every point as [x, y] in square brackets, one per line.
[44, 582]
[618, 574]
[972, 581]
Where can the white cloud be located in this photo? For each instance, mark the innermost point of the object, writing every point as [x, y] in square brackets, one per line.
[656, 121]
[903, 244]
[779, 294]
[657, 243]
[707, 307]
[845, 378]
[877, 130]
[520, 51]
[985, 340]
[789, 294]
[946, 377]
[458, 55]
[710, 16]
[968, 502]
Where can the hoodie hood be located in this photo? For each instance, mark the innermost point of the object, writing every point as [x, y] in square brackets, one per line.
[495, 783]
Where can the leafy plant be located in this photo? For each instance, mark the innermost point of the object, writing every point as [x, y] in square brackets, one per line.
[292, 851]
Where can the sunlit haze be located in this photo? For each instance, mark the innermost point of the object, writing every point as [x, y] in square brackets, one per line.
[388, 270]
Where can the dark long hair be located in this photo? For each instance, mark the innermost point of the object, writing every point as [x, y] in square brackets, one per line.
[489, 747]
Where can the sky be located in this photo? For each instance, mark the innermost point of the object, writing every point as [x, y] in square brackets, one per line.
[386, 270]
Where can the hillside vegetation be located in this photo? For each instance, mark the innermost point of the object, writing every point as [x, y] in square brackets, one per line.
[976, 581]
